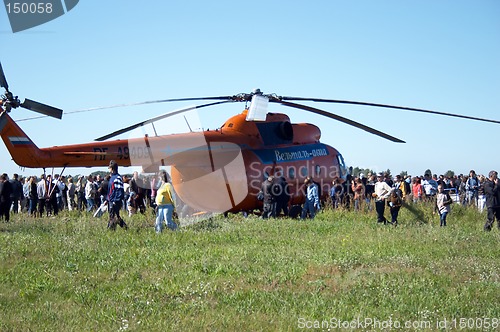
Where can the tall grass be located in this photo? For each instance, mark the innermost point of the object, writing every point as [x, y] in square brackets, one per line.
[70, 273]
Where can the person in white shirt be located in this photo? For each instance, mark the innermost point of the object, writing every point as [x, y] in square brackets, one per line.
[382, 192]
[90, 193]
[430, 186]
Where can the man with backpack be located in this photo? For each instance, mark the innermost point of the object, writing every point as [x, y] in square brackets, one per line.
[115, 196]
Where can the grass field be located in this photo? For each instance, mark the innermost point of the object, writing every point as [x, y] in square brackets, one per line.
[341, 269]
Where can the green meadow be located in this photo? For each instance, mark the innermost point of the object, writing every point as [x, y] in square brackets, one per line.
[340, 271]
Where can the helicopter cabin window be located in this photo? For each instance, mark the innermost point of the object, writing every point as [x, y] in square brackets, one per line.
[304, 171]
[317, 170]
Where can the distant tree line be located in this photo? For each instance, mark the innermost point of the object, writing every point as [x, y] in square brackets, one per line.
[355, 171]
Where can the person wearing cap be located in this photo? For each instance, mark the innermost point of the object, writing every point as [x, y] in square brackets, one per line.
[492, 192]
[381, 193]
[115, 197]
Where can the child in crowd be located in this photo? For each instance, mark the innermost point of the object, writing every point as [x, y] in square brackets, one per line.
[443, 203]
[395, 202]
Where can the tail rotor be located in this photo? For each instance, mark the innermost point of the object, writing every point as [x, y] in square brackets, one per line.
[9, 101]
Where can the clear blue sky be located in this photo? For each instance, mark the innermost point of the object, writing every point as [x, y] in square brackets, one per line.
[440, 55]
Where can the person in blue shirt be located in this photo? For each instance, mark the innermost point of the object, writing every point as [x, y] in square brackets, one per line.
[116, 193]
[311, 205]
[472, 188]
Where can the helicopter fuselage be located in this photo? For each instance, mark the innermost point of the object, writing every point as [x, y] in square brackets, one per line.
[214, 170]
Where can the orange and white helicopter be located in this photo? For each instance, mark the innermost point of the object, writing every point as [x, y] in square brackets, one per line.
[214, 170]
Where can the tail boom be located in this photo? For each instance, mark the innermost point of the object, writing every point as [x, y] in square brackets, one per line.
[23, 151]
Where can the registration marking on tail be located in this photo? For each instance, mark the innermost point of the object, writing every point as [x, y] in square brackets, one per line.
[15, 140]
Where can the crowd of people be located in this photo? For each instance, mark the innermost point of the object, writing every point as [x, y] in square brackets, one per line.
[48, 194]
[381, 191]
[468, 189]
[475, 190]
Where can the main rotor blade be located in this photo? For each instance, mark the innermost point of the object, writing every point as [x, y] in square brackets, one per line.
[3, 80]
[411, 109]
[142, 123]
[191, 99]
[338, 118]
[42, 108]
[98, 108]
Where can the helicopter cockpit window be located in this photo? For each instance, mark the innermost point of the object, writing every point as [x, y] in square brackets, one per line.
[342, 168]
